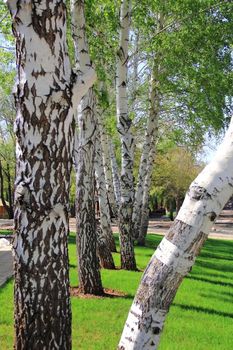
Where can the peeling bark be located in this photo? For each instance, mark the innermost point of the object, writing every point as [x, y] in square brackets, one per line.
[123, 125]
[176, 253]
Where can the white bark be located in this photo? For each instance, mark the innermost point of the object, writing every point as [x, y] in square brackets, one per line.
[105, 220]
[148, 153]
[44, 133]
[144, 210]
[176, 254]
[107, 168]
[123, 126]
[115, 174]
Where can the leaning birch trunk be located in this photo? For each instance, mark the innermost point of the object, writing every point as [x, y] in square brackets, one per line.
[105, 220]
[115, 174]
[88, 266]
[45, 98]
[176, 253]
[123, 125]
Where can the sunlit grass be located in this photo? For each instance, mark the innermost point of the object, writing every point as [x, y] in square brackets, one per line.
[200, 318]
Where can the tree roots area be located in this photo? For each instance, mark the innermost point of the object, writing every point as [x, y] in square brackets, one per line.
[200, 317]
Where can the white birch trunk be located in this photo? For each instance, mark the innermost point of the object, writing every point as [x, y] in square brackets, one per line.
[88, 266]
[44, 97]
[123, 125]
[105, 220]
[108, 169]
[148, 152]
[176, 254]
[115, 174]
[147, 157]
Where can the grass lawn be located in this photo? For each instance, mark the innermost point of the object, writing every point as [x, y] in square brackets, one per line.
[200, 318]
[5, 233]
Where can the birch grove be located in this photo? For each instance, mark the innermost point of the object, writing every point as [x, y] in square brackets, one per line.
[177, 252]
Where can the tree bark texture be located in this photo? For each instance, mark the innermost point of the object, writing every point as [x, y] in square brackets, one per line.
[105, 219]
[46, 95]
[144, 211]
[115, 174]
[108, 169]
[88, 266]
[123, 125]
[176, 253]
[44, 133]
[104, 251]
[148, 154]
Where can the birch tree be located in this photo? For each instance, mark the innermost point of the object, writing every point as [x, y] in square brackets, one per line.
[147, 157]
[46, 92]
[176, 254]
[106, 243]
[123, 125]
[88, 266]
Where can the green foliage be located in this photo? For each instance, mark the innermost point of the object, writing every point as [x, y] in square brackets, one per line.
[200, 317]
[193, 50]
[174, 171]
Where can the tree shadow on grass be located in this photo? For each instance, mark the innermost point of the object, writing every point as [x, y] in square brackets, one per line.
[214, 266]
[217, 296]
[209, 274]
[218, 248]
[218, 283]
[204, 310]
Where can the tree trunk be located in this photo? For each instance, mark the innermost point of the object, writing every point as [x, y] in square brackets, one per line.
[11, 209]
[104, 251]
[123, 125]
[47, 92]
[176, 254]
[115, 174]
[108, 169]
[105, 220]
[151, 134]
[44, 147]
[7, 207]
[88, 266]
[144, 215]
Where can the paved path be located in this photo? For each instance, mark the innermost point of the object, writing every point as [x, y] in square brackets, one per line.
[222, 229]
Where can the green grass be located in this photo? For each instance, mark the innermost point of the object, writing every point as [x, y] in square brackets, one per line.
[200, 318]
[5, 232]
